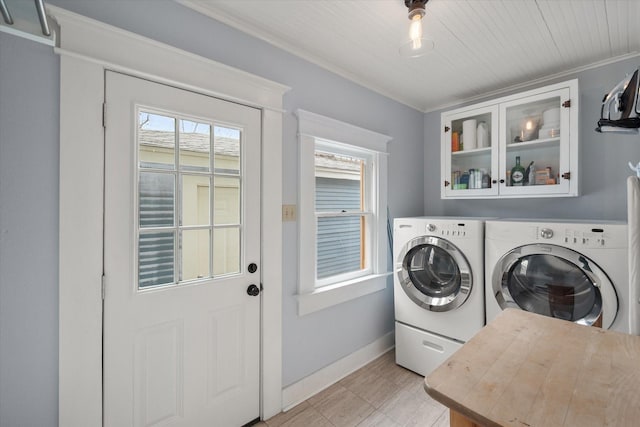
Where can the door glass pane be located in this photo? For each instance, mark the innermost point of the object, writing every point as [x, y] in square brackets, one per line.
[195, 146]
[339, 182]
[195, 254]
[433, 271]
[226, 251]
[226, 200]
[195, 200]
[552, 286]
[155, 259]
[156, 199]
[226, 148]
[156, 141]
[339, 245]
[533, 136]
[471, 151]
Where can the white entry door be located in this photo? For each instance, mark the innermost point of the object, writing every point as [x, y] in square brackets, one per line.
[182, 247]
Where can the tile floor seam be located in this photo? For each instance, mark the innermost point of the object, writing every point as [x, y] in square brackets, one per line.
[366, 393]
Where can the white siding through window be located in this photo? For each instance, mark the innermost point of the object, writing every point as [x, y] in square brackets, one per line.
[339, 239]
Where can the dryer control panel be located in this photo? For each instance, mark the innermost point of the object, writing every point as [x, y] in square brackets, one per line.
[593, 238]
[605, 236]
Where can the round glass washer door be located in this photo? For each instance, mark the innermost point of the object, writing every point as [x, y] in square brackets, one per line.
[557, 282]
[434, 273]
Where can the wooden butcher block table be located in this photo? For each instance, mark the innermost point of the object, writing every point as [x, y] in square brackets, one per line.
[524, 369]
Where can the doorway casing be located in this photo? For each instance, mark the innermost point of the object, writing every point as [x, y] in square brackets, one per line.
[87, 49]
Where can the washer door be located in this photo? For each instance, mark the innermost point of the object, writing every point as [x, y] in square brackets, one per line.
[434, 273]
[557, 282]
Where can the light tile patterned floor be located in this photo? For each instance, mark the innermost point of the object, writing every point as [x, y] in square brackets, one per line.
[380, 394]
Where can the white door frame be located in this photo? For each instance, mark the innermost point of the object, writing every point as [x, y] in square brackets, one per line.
[88, 48]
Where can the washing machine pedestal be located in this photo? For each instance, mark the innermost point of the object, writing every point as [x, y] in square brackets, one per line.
[421, 351]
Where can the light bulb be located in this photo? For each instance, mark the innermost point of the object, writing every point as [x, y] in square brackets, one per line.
[415, 31]
[417, 44]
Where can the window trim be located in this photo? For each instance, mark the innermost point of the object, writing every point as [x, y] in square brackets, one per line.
[312, 129]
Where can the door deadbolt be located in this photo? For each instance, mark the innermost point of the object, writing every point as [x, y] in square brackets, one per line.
[252, 268]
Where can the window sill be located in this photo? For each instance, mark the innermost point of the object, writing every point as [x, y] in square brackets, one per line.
[338, 293]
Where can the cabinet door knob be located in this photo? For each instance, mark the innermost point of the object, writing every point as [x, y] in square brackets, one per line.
[502, 181]
[566, 175]
[494, 181]
[446, 183]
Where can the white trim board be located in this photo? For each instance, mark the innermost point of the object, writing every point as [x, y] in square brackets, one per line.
[90, 39]
[305, 388]
[87, 49]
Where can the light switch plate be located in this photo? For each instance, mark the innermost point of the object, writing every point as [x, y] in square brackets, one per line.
[288, 212]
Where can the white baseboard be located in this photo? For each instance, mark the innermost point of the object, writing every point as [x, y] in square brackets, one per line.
[305, 388]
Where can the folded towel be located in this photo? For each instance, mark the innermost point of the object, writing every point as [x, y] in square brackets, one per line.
[633, 214]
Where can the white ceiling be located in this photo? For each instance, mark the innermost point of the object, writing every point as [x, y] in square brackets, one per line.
[482, 47]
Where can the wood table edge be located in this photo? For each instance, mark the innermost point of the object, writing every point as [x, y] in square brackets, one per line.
[468, 418]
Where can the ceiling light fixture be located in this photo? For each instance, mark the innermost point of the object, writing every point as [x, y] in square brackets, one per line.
[417, 44]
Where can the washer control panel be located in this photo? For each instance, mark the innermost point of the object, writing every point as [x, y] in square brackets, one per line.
[447, 230]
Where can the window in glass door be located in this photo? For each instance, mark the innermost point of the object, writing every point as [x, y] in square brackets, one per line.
[189, 201]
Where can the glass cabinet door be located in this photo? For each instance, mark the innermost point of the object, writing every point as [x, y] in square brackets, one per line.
[470, 153]
[534, 159]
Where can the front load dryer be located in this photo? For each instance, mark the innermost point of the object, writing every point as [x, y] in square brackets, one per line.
[438, 288]
[570, 270]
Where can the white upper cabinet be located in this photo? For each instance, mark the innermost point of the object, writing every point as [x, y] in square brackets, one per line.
[481, 145]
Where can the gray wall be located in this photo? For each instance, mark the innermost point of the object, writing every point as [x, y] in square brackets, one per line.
[28, 233]
[29, 146]
[603, 163]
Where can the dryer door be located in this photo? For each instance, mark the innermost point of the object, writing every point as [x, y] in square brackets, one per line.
[557, 282]
[434, 273]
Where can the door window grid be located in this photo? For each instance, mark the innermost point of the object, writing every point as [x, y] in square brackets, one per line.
[165, 249]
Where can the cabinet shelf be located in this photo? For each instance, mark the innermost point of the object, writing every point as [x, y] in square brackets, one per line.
[469, 153]
[536, 143]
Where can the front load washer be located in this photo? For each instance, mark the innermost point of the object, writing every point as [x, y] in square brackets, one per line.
[438, 288]
[571, 270]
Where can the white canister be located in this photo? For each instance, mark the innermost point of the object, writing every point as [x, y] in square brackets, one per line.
[482, 135]
[469, 132]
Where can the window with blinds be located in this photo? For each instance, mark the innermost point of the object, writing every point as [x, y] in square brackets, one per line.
[342, 212]
[342, 218]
